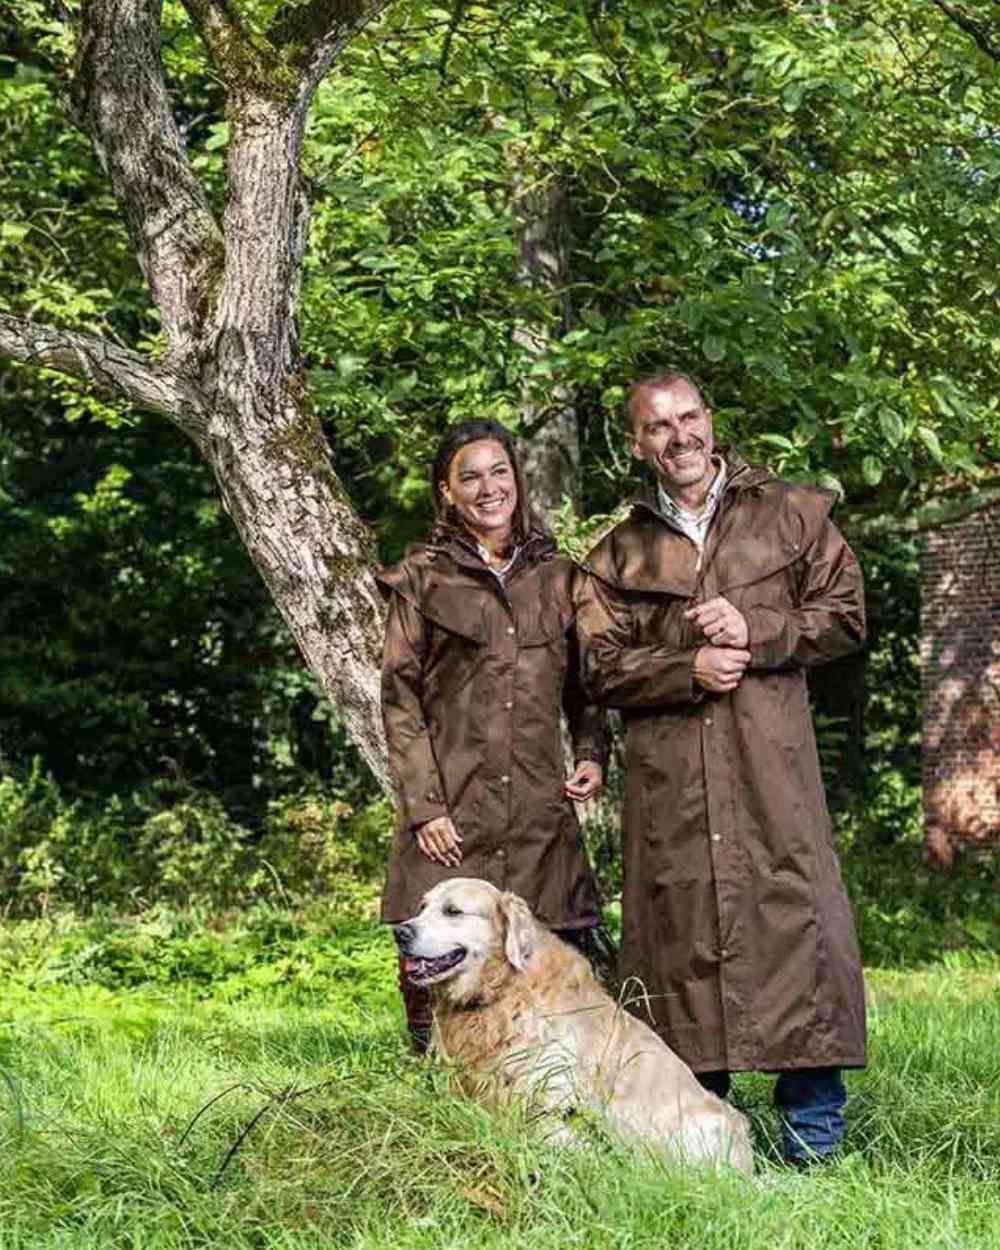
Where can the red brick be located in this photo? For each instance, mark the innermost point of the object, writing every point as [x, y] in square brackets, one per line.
[960, 679]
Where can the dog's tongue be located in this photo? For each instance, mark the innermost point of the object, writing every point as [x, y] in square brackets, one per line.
[409, 965]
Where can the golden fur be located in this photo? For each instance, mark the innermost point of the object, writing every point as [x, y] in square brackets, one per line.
[522, 1011]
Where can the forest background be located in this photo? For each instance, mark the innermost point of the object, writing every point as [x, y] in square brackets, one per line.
[515, 209]
[254, 257]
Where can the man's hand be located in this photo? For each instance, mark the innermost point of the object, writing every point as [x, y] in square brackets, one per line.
[587, 779]
[720, 669]
[439, 840]
[720, 622]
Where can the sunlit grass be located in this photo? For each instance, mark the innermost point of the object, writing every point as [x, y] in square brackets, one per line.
[325, 1131]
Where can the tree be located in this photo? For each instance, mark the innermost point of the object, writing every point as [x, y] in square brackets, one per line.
[225, 286]
[797, 202]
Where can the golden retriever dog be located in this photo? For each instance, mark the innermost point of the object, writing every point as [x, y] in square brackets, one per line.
[520, 1011]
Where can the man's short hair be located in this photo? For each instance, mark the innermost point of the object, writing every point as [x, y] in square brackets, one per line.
[663, 380]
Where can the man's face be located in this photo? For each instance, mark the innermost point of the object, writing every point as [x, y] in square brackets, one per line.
[672, 433]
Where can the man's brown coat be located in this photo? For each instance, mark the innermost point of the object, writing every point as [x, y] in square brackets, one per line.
[474, 677]
[735, 919]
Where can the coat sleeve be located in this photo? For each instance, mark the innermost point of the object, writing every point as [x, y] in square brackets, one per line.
[587, 722]
[829, 620]
[620, 669]
[414, 771]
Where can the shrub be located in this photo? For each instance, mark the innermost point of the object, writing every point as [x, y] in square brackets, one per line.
[907, 912]
[53, 851]
[191, 852]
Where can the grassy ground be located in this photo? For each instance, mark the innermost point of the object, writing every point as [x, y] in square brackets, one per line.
[126, 1110]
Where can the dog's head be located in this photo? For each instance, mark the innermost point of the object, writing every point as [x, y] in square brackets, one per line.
[465, 937]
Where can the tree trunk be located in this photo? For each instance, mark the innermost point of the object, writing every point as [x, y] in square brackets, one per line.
[314, 554]
[552, 445]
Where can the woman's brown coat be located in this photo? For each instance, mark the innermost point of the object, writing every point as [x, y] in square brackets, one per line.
[735, 918]
[474, 677]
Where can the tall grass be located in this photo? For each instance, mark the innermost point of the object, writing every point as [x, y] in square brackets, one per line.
[324, 1131]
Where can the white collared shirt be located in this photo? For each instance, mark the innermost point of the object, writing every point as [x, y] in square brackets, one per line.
[695, 526]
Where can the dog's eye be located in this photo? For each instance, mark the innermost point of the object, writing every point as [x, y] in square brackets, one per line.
[449, 909]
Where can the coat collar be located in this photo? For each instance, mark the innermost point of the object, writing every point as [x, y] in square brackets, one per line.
[633, 558]
[740, 476]
[463, 552]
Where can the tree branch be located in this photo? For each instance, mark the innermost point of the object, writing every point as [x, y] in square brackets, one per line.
[115, 369]
[930, 515]
[242, 58]
[120, 99]
[979, 32]
[449, 37]
[312, 34]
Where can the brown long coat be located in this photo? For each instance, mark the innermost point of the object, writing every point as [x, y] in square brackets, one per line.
[734, 913]
[473, 680]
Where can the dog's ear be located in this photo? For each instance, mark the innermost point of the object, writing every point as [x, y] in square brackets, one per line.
[519, 930]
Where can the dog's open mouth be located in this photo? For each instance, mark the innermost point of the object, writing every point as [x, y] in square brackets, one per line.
[423, 971]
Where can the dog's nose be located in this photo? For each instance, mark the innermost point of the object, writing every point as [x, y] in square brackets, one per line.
[404, 935]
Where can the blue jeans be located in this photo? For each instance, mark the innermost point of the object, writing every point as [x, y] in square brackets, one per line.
[810, 1102]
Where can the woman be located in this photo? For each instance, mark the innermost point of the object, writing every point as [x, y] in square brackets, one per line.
[479, 660]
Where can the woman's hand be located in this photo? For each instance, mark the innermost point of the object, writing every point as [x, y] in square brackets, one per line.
[587, 779]
[439, 840]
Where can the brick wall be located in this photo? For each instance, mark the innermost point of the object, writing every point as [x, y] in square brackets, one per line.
[960, 667]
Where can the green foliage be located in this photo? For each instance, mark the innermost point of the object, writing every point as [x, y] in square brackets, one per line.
[576, 535]
[908, 913]
[798, 205]
[56, 853]
[160, 659]
[316, 954]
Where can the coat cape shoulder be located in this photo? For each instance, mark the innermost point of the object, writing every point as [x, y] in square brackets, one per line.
[768, 524]
[432, 584]
[441, 584]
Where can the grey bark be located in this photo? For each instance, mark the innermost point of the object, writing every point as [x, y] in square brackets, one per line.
[227, 292]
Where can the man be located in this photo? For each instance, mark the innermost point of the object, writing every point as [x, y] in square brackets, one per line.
[701, 612]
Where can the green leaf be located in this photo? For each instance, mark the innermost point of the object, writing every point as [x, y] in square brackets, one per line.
[791, 97]
[892, 426]
[831, 482]
[930, 440]
[713, 347]
[218, 138]
[13, 231]
[778, 440]
[872, 469]
[379, 262]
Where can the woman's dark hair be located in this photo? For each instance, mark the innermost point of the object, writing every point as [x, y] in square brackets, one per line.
[525, 522]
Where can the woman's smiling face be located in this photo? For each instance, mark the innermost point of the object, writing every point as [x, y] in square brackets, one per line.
[482, 488]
